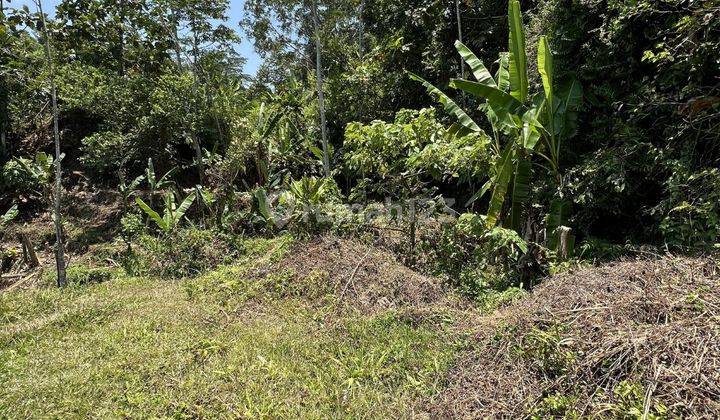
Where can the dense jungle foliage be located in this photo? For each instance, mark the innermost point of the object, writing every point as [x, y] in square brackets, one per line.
[556, 130]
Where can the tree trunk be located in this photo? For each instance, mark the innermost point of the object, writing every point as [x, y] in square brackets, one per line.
[189, 131]
[321, 97]
[361, 30]
[460, 37]
[195, 140]
[3, 103]
[29, 254]
[57, 216]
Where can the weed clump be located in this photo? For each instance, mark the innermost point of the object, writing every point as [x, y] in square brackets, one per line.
[183, 253]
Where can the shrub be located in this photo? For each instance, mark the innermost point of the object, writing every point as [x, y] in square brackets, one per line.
[22, 176]
[183, 253]
[475, 258]
[690, 216]
[106, 152]
[415, 141]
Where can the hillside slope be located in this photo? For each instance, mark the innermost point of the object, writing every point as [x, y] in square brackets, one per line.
[320, 329]
[336, 328]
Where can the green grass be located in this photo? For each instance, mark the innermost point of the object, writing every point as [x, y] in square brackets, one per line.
[139, 348]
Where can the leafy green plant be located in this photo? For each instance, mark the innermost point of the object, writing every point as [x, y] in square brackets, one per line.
[630, 401]
[262, 208]
[105, 152]
[33, 177]
[156, 184]
[690, 215]
[515, 115]
[172, 214]
[477, 258]
[8, 217]
[188, 252]
[128, 190]
[416, 141]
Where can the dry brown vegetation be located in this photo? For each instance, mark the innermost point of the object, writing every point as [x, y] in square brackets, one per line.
[360, 275]
[635, 337]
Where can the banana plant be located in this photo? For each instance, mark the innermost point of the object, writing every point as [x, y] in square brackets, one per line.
[517, 119]
[264, 124]
[172, 214]
[40, 169]
[156, 184]
[264, 211]
[8, 217]
[128, 190]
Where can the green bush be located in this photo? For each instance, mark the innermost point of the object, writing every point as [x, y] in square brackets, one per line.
[416, 141]
[106, 152]
[690, 216]
[22, 176]
[476, 258]
[183, 253]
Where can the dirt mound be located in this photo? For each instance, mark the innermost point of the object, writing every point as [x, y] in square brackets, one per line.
[638, 337]
[358, 274]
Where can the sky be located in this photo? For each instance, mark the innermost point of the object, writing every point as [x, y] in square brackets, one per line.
[244, 48]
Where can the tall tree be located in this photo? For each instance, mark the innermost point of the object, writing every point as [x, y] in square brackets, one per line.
[4, 95]
[321, 97]
[459, 34]
[57, 215]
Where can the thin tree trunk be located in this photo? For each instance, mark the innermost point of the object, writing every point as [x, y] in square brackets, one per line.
[59, 247]
[195, 140]
[460, 37]
[321, 98]
[3, 103]
[190, 132]
[121, 43]
[361, 30]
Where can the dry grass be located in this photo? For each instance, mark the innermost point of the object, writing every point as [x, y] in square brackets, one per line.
[637, 337]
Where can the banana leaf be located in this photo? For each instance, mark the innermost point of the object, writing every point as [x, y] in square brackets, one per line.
[448, 104]
[479, 70]
[517, 57]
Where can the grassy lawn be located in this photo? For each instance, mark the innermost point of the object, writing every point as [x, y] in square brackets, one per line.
[139, 347]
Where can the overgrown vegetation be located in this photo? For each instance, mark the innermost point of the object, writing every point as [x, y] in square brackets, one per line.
[482, 145]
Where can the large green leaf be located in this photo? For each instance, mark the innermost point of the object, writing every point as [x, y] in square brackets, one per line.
[448, 104]
[9, 215]
[478, 195]
[184, 206]
[518, 58]
[479, 70]
[545, 67]
[502, 76]
[500, 185]
[521, 191]
[497, 99]
[571, 95]
[263, 204]
[152, 213]
[530, 133]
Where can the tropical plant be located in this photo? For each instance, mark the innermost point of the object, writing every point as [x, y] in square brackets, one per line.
[128, 190]
[29, 175]
[262, 208]
[172, 214]
[156, 184]
[515, 115]
[8, 217]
